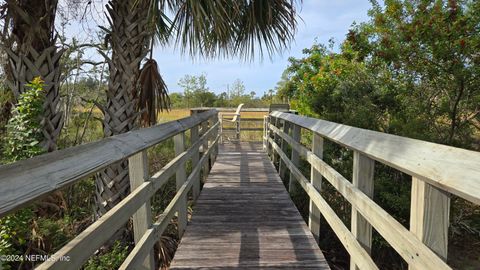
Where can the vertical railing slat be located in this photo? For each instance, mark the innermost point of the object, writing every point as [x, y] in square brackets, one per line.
[363, 172]
[316, 179]
[196, 182]
[429, 216]
[296, 134]
[276, 158]
[142, 219]
[204, 149]
[181, 177]
[284, 145]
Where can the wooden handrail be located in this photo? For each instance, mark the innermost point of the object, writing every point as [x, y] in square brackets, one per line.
[89, 159]
[424, 246]
[24, 181]
[452, 169]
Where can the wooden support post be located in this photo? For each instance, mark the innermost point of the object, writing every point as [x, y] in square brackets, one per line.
[204, 150]
[316, 179]
[196, 182]
[270, 150]
[284, 146]
[212, 137]
[275, 158]
[237, 123]
[265, 132]
[221, 128]
[181, 177]
[217, 131]
[296, 134]
[142, 219]
[363, 171]
[429, 216]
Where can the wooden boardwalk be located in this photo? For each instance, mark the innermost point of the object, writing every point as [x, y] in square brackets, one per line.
[244, 219]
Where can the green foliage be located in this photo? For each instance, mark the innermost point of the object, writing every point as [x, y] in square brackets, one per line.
[24, 130]
[411, 71]
[109, 260]
[15, 233]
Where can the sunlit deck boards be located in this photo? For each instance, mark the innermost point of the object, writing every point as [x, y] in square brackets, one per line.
[244, 219]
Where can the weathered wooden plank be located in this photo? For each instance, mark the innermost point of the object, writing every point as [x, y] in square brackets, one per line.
[454, 170]
[27, 180]
[295, 158]
[228, 109]
[241, 224]
[142, 219]
[181, 177]
[194, 138]
[244, 129]
[316, 180]
[429, 216]
[363, 170]
[205, 170]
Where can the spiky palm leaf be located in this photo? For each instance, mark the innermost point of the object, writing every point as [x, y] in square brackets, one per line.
[153, 93]
[233, 27]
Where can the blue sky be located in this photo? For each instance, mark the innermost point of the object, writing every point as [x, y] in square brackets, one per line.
[322, 20]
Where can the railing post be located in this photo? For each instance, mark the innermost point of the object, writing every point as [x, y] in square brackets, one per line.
[238, 127]
[211, 139]
[220, 119]
[267, 135]
[142, 219]
[296, 134]
[429, 216]
[181, 177]
[275, 139]
[284, 145]
[265, 128]
[217, 120]
[363, 172]
[204, 149]
[196, 182]
[270, 150]
[316, 179]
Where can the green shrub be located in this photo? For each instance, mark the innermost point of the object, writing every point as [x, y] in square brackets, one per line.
[24, 129]
[109, 260]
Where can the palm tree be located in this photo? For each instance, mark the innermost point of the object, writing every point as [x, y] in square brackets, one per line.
[205, 28]
[29, 40]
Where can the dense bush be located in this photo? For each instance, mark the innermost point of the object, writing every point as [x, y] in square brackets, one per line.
[411, 71]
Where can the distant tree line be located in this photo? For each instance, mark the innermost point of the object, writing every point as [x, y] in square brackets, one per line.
[196, 93]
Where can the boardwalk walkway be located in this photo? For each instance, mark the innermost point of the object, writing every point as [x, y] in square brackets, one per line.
[244, 219]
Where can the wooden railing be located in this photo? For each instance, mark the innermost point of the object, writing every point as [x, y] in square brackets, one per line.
[25, 181]
[237, 126]
[437, 171]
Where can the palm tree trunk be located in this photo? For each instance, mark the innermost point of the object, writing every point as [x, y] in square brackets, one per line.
[45, 64]
[129, 38]
[31, 50]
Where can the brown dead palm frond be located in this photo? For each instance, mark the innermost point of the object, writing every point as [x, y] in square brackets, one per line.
[165, 249]
[153, 93]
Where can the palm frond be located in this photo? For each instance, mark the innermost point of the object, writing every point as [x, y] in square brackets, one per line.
[152, 93]
[233, 27]
[265, 26]
[165, 249]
